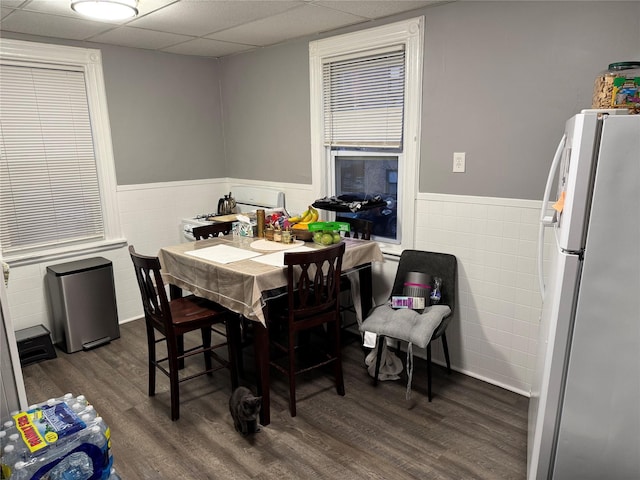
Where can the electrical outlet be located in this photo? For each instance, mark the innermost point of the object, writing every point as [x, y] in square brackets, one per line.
[459, 162]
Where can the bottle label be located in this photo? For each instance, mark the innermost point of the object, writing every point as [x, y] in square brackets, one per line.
[46, 424]
[626, 92]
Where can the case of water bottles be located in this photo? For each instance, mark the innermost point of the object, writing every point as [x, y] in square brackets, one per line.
[60, 439]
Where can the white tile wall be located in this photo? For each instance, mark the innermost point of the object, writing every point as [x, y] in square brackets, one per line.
[494, 337]
[495, 240]
[150, 215]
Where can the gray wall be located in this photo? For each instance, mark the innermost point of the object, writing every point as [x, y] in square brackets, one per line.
[500, 80]
[266, 114]
[165, 116]
[164, 111]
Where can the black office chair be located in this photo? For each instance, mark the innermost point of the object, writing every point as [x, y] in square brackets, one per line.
[359, 229]
[313, 302]
[410, 326]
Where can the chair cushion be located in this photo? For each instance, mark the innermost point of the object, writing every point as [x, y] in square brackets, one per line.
[405, 324]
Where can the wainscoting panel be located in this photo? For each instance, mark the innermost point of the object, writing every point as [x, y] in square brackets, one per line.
[494, 334]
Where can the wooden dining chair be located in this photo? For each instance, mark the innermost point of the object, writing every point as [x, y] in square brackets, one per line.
[173, 319]
[359, 228]
[313, 282]
[213, 230]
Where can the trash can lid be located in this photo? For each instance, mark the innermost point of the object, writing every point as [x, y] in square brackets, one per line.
[78, 266]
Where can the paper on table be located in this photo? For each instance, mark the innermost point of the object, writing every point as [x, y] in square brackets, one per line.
[277, 259]
[222, 254]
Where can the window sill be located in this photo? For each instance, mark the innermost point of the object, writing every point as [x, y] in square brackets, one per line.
[390, 249]
[65, 252]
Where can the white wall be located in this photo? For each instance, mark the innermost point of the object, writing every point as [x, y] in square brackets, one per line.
[495, 241]
[493, 338]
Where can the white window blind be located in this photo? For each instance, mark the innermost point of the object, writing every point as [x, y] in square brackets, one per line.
[49, 190]
[363, 100]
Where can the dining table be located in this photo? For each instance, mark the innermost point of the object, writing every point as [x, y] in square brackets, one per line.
[244, 273]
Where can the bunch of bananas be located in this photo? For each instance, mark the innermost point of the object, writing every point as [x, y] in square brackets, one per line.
[303, 220]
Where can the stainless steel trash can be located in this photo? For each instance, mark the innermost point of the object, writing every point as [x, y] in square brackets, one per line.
[83, 304]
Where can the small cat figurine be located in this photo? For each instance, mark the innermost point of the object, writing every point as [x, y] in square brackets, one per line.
[244, 408]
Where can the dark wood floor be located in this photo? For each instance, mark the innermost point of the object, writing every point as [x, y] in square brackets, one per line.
[471, 430]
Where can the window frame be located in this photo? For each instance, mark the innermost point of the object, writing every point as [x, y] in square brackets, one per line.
[333, 153]
[32, 54]
[410, 33]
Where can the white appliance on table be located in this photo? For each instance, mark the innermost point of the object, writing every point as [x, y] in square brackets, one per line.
[584, 412]
[248, 199]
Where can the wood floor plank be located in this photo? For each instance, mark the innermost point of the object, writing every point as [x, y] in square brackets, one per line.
[471, 430]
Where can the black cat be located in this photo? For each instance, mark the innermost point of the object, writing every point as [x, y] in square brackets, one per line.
[245, 407]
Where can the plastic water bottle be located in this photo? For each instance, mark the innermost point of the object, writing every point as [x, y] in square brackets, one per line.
[106, 431]
[10, 427]
[9, 458]
[114, 475]
[14, 439]
[97, 438]
[19, 447]
[82, 400]
[88, 411]
[21, 471]
[94, 436]
[77, 466]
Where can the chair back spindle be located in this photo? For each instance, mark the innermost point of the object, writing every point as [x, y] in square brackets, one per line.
[313, 286]
[360, 228]
[316, 288]
[213, 230]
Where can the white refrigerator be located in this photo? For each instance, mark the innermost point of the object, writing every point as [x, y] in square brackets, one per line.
[584, 412]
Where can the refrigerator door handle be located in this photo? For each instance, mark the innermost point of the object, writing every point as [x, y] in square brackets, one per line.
[549, 220]
[546, 220]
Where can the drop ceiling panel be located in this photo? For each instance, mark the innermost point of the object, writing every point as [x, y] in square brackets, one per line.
[290, 24]
[372, 9]
[200, 18]
[5, 11]
[207, 48]
[63, 7]
[140, 38]
[12, 3]
[230, 26]
[52, 25]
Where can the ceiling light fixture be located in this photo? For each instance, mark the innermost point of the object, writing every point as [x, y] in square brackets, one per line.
[106, 9]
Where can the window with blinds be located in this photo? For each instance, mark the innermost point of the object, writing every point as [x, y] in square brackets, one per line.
[363, 100]
[49, 189]
[366, 100]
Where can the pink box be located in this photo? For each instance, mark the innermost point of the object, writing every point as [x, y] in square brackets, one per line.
[414, 303]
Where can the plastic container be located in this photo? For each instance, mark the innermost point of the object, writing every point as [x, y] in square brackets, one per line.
[328, 233]
[618, 87]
